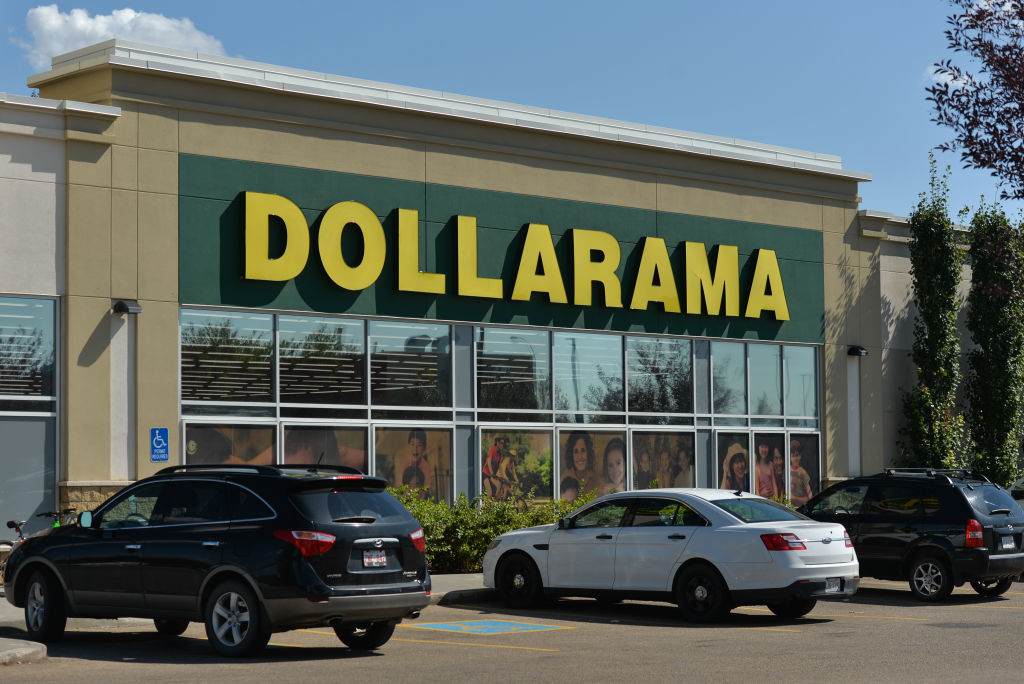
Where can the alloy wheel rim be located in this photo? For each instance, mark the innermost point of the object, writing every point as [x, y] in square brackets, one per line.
[928, 578]
[36, 606]
[231, 618]
[518, 581]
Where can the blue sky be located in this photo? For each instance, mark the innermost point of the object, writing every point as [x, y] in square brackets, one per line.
[843, 78]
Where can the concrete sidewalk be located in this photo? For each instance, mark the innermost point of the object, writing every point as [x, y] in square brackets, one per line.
[446, 589]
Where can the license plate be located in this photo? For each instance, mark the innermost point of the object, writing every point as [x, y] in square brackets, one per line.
[832, 585]
[375, 559]
[1007, 542]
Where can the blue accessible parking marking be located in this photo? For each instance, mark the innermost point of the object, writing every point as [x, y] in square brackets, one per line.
[485, 627]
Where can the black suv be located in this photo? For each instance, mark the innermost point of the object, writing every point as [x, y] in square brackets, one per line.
[248, 550]
[935, 528]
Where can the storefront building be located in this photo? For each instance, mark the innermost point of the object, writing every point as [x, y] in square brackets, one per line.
[265, 265]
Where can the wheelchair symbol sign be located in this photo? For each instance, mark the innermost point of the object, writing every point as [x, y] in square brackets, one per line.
[159, 446]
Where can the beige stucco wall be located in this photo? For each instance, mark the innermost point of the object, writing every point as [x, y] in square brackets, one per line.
[125, 244]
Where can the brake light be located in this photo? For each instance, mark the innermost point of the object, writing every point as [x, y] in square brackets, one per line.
[418, 540]
[846, 540]
[974, 534]
[307, 542]
[782, 542]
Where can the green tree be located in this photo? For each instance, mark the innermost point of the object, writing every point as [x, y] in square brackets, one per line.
[995, 318]
[934, 434]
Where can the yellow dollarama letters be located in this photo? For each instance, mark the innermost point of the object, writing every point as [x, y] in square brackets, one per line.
[538, 267]
[366, 272]
[470, 282]
[724, 284]
[410, 277]
[767, 277]
[586, 271]
[259, 207]
[654, 262]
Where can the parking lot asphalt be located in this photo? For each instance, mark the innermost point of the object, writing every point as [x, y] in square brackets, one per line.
[445, 589]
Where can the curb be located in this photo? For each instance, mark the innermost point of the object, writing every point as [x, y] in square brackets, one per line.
[17, 651]
[463, 596]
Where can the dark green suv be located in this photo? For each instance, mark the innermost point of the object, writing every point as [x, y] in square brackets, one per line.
[937, 529]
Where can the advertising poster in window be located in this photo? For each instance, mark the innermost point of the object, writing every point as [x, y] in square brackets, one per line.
[418, 458]
[592, 462]
[803, 468]
[326, 445]
[734, 461]
[246, 444]
[770, 465]
[516, 464]
[662, 459]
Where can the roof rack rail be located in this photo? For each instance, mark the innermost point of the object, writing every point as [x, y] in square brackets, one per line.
[946, 473]
[226, 467]
[316, 468]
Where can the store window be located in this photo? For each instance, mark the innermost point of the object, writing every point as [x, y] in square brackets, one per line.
[219, 443]
[769, 465]
[515, 464]
[765, 362]
[729, 377]
[801, 381]
[410, 364]
[416, 457]
[227, 356]
[322, 360]
[660, 375]
[513, 369]
[734, 461]
[663, 459]
[27, 354]
[591, 461]
[343, 446]
[588, 376]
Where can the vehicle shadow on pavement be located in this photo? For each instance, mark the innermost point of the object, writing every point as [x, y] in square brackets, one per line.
[146, 646]
[631, 613]
[901, 596]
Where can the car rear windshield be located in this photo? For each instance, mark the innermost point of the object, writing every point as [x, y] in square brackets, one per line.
[351, 506]
[758, 510]
[987, 499]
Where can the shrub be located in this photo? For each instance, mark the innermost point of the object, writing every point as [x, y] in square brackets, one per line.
[457, 535]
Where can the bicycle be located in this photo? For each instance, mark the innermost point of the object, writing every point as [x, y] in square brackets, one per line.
[67, 514]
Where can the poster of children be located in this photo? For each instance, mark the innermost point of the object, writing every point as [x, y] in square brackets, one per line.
[662, 459]
[591, 461]
[803, 467]
[516, 464]
[417, 457]
[734, 461]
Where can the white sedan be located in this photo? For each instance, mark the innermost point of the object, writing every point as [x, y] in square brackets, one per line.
[708, 550]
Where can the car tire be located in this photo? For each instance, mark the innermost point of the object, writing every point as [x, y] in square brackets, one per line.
[373, 635]
[170, 626]
[45, 612]
[930, 578]
[793, 608]
[701, 594]
[992, 588]
[518, 582]
[234, 620]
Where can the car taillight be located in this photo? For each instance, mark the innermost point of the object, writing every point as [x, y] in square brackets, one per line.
[846, 540]
[307, 542]
[782, 542]
[975, 537]
[418, 540]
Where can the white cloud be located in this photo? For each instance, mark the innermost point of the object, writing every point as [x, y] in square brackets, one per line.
[55, 32]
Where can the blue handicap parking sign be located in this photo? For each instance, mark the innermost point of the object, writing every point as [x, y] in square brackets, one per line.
[159, 445]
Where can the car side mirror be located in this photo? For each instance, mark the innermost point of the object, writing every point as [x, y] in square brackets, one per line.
[564, 523]
[85, 519]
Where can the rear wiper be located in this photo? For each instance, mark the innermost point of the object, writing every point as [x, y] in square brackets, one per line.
[1000, 510]
[370, 519]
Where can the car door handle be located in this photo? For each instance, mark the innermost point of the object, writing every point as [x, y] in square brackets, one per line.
[132, 547]
[677, 536]
[604, 536]
[211, 543]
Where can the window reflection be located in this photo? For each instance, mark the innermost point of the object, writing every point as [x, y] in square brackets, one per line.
[588, 372]
[660, 375]
[765, 379]
[321, 361]
[801, 381]
[344, 446]
[227, 356]
[729, 377]
[513, 369]
[410, 364]
[216, 444]
[26, 347]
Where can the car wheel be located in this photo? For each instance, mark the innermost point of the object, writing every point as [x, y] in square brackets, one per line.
[367, 638]
[794, 608]
[234, 620]
[993, 587]
[701, 594]
[930, 578]
[170, 627]
[45, 613]
[518, 582]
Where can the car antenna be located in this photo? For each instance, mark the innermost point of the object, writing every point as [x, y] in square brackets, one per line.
[738, 492]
